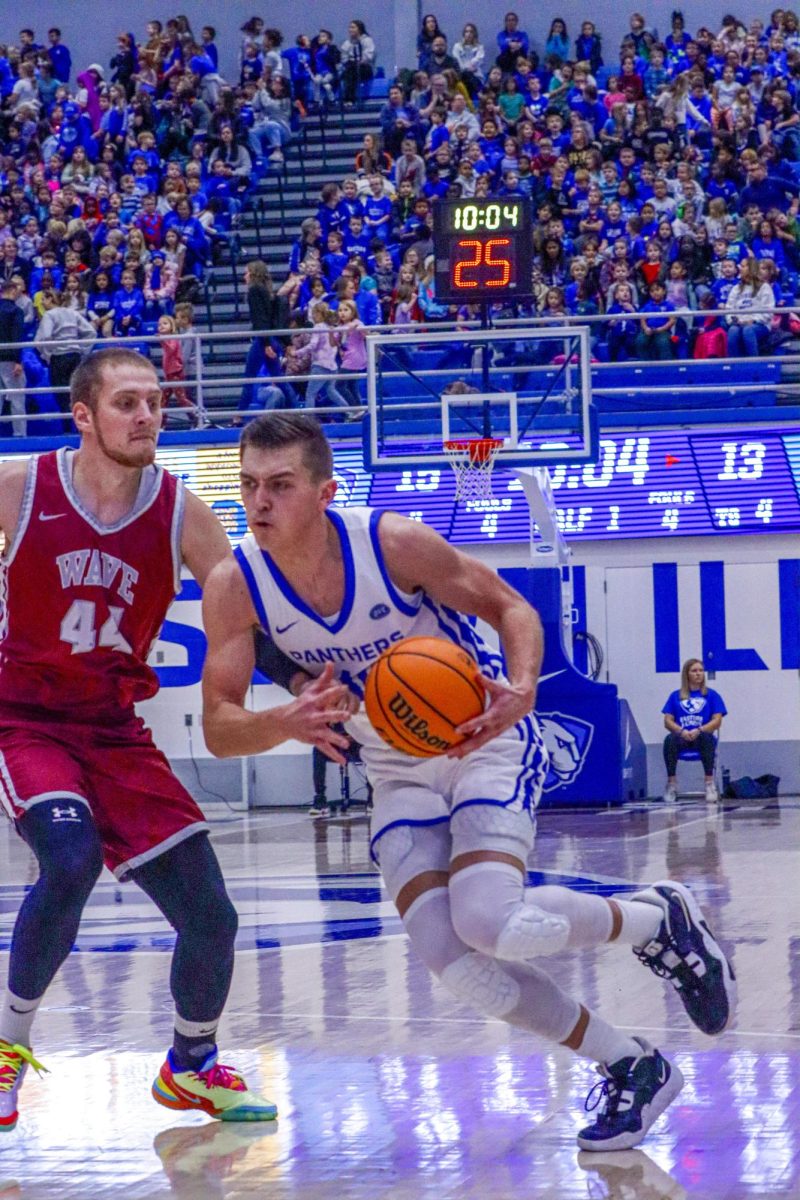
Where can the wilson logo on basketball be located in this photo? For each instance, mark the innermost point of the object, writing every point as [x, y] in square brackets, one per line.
[415, 724]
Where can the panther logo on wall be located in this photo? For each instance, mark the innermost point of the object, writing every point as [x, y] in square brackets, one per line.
[567, 740]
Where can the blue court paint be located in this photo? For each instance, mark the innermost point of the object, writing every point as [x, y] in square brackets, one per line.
[119, 919]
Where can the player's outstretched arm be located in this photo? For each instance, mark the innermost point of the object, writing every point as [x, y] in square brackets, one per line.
[230, 729]
[417, 557]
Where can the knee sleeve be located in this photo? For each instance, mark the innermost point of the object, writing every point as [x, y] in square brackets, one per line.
[64, 838]
[430, 930]
[407, 851]
[482, 983]
[490, 914]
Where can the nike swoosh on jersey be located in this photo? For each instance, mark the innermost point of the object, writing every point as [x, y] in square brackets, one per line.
[50, 516]
[283, 628]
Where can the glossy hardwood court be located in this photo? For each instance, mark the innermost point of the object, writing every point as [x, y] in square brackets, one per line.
[386, 1088]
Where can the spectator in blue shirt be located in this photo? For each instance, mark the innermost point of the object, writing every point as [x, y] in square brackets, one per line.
[191, 233]
[557, 44]
[623, 329]
[356, 238]
[766, 245]
[654, 340]
[692, 717]
[208, 36]
[335, 261]
[300, 72]
[331, 214]
[398, 120]
[676, 42]
[767, 191]
[128, 306]
[252, 65]
[377, 208]
[59, 56]
[587, 46]
[723, 285]
[511, 42]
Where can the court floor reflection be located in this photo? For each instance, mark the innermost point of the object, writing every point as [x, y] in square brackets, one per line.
[386, 1087]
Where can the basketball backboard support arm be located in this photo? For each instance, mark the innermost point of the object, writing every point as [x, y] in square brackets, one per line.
[550, 549]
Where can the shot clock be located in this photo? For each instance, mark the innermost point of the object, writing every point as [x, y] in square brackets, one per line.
[483, 250]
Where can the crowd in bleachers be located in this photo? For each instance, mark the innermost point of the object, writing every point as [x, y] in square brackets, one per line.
[663, 174]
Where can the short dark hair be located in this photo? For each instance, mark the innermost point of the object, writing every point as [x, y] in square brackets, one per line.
[274, 430]
[88, 378]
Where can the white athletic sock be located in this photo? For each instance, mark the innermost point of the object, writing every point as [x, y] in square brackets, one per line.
[640, 922]
[602, 1043]
[590, 918]
[16, 1018]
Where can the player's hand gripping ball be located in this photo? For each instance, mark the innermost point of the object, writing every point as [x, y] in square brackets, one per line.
[419, 691]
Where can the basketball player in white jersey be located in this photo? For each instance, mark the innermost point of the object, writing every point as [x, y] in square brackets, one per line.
[452, 834]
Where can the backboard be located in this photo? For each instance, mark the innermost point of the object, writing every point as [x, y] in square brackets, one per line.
[531, 387]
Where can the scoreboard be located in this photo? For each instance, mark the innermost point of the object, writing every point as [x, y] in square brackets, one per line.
[661, 484]
[483, 250]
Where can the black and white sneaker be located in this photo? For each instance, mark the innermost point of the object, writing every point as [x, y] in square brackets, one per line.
[685, 952]
[634, 1092]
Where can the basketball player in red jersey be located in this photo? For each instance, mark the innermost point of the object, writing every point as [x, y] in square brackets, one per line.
[94, 543]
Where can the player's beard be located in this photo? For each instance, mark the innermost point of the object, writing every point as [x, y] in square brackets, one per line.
[140, 454]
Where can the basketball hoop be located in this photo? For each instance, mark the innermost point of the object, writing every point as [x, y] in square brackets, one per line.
[472, 460]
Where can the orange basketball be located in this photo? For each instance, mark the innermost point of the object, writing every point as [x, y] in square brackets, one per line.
[419, 691]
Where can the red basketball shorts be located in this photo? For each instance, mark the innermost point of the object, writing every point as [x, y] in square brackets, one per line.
[139, 807]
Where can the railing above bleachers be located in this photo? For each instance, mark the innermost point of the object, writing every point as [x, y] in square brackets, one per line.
[634, 394]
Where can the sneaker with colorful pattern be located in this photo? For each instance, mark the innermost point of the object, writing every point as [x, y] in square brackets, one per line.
[14, 1062]
[215, 1089]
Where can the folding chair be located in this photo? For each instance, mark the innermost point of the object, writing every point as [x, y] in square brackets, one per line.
[689, 755]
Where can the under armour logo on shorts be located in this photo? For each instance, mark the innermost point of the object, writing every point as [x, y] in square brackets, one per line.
[64, 814]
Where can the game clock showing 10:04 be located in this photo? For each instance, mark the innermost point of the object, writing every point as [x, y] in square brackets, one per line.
[482, 250]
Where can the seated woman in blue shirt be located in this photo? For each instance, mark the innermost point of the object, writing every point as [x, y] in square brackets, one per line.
[692, 716]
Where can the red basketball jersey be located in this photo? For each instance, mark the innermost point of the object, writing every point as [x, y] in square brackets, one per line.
[81, 603]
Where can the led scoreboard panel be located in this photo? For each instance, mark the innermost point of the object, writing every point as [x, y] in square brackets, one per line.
[661, 484]
[482, 249]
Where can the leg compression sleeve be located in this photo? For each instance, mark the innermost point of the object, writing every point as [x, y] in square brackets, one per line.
[187, 885]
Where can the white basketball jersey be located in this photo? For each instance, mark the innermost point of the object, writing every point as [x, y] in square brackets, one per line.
[374, 614]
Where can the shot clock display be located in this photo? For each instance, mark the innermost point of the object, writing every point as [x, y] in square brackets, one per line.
[483, 250]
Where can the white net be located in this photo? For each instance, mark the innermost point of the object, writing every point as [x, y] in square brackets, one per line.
[472, 460]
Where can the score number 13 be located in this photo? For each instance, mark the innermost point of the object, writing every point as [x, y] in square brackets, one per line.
[482, 254]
